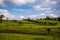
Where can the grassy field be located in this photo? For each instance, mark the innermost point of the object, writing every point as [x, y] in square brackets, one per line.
[11, 36]
[29, 30]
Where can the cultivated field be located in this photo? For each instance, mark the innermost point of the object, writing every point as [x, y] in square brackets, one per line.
[30, 30]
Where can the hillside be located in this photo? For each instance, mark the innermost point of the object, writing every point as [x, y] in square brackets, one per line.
[30, 30]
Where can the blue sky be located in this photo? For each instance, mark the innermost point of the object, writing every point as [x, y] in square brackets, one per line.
[34, 9]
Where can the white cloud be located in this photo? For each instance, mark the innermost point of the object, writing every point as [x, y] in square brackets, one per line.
[1, 2]
[20, 2]
[54, 2]
[53, 15]
[16, 2]
[37, 7]
[34, 17]
[4, 12]
[49, 2]
[41, 7]
[21, 17]
[12, 16]
[45, 5]
[31, 1]
[42, 14]
[21, 10]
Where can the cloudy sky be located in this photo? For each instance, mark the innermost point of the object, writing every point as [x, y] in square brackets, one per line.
[19, 9]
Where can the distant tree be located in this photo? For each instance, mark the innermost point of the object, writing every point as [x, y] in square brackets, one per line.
[54, 19]
[58, 18]
[1, 16]
[7, 18]
[28, 19]
[14, 20]
[48, 29]
[47, 18]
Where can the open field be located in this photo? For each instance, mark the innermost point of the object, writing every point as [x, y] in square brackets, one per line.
[11, 36]
[29, 30]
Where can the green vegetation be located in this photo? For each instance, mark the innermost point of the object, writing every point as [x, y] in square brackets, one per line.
[40, 29]
[1, 16]
[10, 36]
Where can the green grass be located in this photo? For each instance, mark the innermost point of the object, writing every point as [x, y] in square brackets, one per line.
[27, 30]
[10, 36]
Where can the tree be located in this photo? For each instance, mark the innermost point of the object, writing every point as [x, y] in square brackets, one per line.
[1, 16]
[7, 18]
[58, 18]
[29, 19]
[48, 29]
[47, 18]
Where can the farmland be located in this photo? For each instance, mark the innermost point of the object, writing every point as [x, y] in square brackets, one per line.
[29, 30]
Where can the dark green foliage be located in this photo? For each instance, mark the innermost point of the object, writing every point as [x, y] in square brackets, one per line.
[58, 18]
[41, 39]
[47, 18]
[48, 29]
[31, 27]
[14, 21]
[47, 23]
[1, 16]
[20, 22]
[52, 23]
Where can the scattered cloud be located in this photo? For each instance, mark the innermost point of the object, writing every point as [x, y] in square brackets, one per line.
[12, 16]
[21, 2]
[39, 8]
[21, 10]
[4, 12]
[42, 14]
[53, 15]
[52, 2]
[33, 17]
[2, 3]
[21, 17]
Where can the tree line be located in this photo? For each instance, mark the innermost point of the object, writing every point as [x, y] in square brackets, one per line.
[47, 18]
